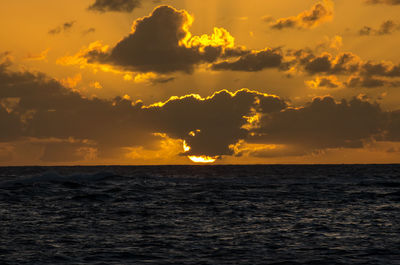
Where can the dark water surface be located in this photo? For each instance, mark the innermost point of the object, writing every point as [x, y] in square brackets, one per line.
[200, 215]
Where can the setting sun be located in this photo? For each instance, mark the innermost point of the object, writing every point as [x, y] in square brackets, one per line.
[202, 159]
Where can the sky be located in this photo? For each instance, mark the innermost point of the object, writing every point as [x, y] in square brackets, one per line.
[151, 82]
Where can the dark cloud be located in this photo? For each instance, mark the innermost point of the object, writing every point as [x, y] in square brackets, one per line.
[344, 63]
[323, 123]
[47, 110]
[39, 110]
[361, 73]
[388, 2]
[319, 13]
[370, 82]
[10, 124]
[284, 23]
[380, 69]
[393, 129]
[162, 43]
[321, 64]
[115, 5]
[366, 31]
[254, 61]
[162, 80]
[62, 28]
[218, 121]
[154, 44]
[387, 27]
[88, 31]
[65, 151]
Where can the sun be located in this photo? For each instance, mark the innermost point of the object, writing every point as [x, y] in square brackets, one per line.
[203, 159]
[199, 159]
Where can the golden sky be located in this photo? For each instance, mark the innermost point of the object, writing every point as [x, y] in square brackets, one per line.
[188, 81]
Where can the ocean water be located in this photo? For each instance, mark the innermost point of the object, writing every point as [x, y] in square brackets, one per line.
[338, 214]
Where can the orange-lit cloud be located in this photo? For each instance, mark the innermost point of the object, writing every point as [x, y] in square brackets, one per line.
[318, 14]
[150, 77]
[160, 43]
[145, 108]
[71, 82]
[324, 82]
[243, 148]
[334, 43]
[6, 60]
[39, 57]
[80, 59]
[162, 152]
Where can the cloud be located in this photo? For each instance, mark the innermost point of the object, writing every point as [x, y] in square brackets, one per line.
[320, 13]
[210, 125]
[387, 2]
[88, 31]
[380, 69]
[360, 73]
[243, 148]
[365, 31]
[324, 82]
[6, 59]
[38, 57]
[254, 61]
[115, 5]
[67, 127]
[323, 123]
[126, 6]
[267, 18]
[62, 28]
[71, 82]
[388, 27]
[393, 129]
[44, 109]
[162, 43]
[334, 43]
[344, 63]
[370, 82]
[305, 61]
[11, 125]
[68, 150]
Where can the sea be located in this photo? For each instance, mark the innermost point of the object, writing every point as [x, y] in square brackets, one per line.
[256, 214]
